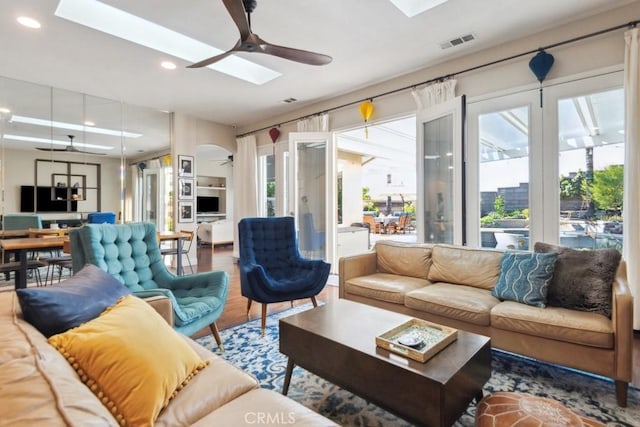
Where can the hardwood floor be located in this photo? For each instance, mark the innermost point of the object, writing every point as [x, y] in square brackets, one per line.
[235, 310]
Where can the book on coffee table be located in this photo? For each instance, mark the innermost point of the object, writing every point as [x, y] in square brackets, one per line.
[417, 339]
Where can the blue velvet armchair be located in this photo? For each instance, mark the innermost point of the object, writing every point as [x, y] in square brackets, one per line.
[130, 252]
[271, 268]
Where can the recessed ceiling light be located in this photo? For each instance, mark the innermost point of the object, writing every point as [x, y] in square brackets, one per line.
[53, 141]
[412, 8]
[168, 65]
[4, 110]
[118, 23]
[71, 126]
[28, 22]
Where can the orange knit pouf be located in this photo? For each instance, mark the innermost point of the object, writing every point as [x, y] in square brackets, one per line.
[505, 409]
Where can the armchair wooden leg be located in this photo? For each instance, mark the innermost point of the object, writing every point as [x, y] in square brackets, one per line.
[216, 336]
[263, 323]
[622, 389]
[314, 302]
[249, 301]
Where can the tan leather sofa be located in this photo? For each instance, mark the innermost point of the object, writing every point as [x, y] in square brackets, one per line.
[39, 388]
[451, 285]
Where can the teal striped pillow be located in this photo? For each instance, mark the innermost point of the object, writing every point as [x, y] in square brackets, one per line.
[525, 277]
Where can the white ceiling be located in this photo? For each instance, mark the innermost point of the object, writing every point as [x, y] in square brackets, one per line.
[370, 41]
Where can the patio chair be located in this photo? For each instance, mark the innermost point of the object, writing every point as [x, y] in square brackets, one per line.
[271, 268]
[374, 226]
[130, 252]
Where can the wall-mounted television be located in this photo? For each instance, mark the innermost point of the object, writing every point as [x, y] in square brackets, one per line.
[47, 199]
[207, 204]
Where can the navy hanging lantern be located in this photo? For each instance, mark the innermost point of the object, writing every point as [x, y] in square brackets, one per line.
[540, 66]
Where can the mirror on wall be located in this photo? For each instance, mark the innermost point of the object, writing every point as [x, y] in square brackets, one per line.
[71, 149]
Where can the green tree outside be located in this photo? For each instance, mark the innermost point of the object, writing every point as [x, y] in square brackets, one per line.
[607, 188]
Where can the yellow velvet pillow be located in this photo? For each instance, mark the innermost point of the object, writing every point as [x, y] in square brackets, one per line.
[131, 359]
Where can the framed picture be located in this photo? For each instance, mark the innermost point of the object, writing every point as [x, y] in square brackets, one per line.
[185, 189]
[185, 212]
[185, 166]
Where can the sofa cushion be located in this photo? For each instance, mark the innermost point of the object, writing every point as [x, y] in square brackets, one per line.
[77, 300]
[465, 266]
[464, 303]
[403, 259]
[251, 408]
[131, 359]
[213, 387]
[32, 373]
[384, 286]
[556, 323]
[524, 277]
[582, 279]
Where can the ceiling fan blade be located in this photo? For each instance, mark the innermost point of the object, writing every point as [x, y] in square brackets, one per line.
[297, 55]
[51, 149]
[236, 10]
[216, 58]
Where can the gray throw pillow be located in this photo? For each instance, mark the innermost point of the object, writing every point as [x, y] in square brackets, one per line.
[582, 279]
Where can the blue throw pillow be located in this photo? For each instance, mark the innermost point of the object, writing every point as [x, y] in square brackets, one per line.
[525, 277]
[81, 298]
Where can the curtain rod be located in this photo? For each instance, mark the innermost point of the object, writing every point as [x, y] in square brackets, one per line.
[631, 24]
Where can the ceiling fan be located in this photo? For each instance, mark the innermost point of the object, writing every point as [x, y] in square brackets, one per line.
[250, 42]
[70, 148]
[228, 161]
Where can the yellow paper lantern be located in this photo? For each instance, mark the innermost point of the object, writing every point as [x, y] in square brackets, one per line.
[366, 110]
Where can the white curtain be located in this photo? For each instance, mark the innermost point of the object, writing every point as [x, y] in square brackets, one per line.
[631, 201]
[319, 123]
[245, 177]
[434, 94]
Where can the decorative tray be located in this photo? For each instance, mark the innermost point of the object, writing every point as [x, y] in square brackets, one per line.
[417, 339]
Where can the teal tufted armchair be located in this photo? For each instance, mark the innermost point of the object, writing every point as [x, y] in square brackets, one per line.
[130, 252]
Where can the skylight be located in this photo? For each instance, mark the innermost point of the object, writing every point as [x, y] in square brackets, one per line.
[412, 8]
[118, 23]
[72, 126]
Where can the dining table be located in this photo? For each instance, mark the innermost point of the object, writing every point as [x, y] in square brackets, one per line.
[178, 237]
[22, 247]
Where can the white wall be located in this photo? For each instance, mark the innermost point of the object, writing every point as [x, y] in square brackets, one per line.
[589, 54]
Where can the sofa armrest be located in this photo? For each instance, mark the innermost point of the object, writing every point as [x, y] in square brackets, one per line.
[356, 266]
[163, 306]
[622, 318]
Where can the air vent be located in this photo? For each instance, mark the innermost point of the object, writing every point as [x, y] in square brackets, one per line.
[457, 41]
[289, 100]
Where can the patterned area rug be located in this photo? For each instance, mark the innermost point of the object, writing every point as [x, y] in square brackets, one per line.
[587, 395]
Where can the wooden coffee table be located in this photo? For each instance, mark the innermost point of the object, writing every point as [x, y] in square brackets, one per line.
[337, 342]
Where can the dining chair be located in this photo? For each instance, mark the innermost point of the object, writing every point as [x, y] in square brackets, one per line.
[130, 252]
[185, 250]
[271, 267]
[101, 218]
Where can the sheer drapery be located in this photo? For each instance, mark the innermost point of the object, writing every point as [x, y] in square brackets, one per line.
[434, 94]
[245, 180]
[631, 203]
[319, 123]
